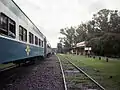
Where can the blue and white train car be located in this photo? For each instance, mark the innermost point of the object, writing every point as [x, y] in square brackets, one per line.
[19, 37]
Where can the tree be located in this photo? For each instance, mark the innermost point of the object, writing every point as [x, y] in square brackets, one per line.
[101, 20]
[69, 38]
[81, 33]
[102, 33]
[59, 48]
[115, 22]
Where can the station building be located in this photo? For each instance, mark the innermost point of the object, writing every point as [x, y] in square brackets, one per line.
[81, 48]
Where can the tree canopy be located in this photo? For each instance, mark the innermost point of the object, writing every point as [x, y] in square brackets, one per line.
[102, 33]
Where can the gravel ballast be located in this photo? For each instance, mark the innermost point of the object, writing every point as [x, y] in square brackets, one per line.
[44, 76]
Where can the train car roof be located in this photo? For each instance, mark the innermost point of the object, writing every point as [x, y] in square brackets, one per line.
[27, 17]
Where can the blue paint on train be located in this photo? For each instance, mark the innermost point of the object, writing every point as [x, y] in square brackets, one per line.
[12, 50]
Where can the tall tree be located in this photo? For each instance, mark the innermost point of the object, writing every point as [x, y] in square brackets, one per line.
[115, 21]
[102, 33]
[101, 20]
[69, 34]
[81, 32]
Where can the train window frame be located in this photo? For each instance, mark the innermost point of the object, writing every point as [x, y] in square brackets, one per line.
[6, 31]
[3, 30]
[25, 35]
[36, 40]
[11, 28]
[42, 43]
[22, 34]
[39, 42]
[31, 38]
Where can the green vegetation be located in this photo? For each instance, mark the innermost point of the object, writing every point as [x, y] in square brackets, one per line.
[5, 65]
[77, 80]
[74, 79]
[102, 33]
[106, 73]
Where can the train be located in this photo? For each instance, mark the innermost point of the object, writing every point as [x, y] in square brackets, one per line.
[20, 39]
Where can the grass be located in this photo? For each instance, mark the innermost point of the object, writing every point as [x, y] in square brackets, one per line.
[106, 73]
[77, 79]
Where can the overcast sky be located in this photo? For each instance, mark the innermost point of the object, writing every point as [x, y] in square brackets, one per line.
[52, 15]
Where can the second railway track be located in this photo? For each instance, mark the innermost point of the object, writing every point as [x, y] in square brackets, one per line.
[7, 68]
[75, 78]
[9, 74]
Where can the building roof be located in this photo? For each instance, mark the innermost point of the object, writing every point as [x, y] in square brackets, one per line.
[81, 44]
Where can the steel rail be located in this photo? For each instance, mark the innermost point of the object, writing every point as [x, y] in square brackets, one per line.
[78, 68]
[63, 75]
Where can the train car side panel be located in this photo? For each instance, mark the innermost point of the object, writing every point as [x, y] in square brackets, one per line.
[12, 50]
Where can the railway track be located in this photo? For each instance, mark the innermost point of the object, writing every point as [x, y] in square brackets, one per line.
[75, 78]
[44, 75]
[14, 66]
[7, 68]
[9, 74]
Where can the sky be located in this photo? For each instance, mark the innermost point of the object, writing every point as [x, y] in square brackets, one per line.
[52, 15]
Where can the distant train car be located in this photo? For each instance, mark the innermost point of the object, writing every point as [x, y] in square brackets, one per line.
[49, 50]
[19, 37]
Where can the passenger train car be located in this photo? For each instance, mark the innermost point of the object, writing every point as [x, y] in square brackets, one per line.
[20, 39]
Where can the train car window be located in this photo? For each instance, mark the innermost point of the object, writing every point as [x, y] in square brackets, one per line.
[36, 40]
[39, 42]
[11, 28]
[22, 34]
[7, 26]
[3, 24]
[42, 43]
[31, 38]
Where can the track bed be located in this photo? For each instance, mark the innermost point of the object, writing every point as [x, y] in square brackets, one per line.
[75, 79]
[44, 75]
